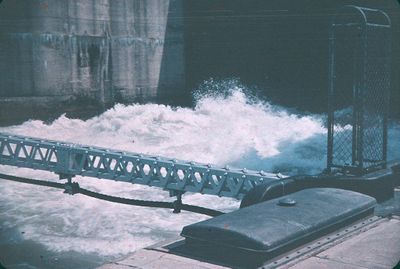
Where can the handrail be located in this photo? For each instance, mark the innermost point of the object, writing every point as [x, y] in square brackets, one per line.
[68, 160]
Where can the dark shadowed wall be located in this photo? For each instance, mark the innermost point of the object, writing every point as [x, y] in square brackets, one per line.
[280, 46]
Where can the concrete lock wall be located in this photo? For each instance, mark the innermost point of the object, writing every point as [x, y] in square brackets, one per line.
[56, 52]
[77, 54]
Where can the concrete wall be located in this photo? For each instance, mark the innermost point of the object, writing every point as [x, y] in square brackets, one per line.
[105, 51]
[79, 53]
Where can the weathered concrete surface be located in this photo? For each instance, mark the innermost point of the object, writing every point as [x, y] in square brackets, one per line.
[146, 259]
[317, 263]
[373, 246]
[107, 51]
[378, 247]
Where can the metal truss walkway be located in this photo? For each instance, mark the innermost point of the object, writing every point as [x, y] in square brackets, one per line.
[177, 176]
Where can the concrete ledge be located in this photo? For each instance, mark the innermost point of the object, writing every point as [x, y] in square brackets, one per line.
[15, 110]
[376, 247]
[150, 258]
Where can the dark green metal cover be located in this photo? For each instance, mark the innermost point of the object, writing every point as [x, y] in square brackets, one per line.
[270, 226]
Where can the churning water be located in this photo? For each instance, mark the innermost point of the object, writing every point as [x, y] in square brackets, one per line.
[228, 128]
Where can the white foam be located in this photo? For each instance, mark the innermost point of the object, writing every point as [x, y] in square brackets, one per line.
[220, 129]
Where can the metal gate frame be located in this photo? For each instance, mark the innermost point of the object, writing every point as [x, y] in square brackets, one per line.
[357, 132]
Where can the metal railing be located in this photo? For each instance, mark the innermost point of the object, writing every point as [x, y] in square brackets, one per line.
[68, 160]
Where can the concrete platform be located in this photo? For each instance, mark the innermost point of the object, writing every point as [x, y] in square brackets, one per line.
[371, 243]
[376, 247]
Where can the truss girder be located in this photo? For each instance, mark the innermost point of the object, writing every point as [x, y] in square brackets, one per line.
[69, 159]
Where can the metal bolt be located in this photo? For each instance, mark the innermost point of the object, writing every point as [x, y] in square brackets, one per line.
[287, 202]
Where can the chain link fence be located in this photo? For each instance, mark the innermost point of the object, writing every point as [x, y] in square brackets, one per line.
[359, 90]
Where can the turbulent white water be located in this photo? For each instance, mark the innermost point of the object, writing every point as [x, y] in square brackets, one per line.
[227, 129]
